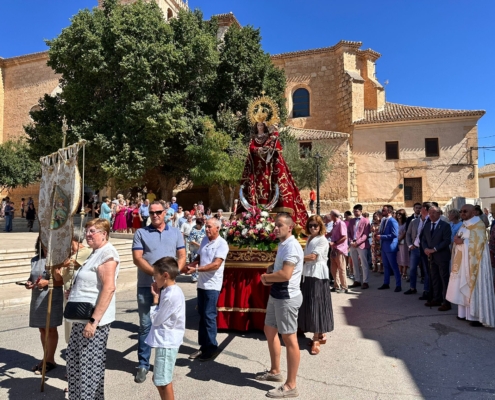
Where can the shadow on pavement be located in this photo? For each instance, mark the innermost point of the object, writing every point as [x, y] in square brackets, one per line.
[26, 387]
[444, 356]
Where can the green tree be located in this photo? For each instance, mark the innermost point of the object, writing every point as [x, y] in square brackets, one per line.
[138, 88]
[302, 163]
[16, 166]
[218, 161]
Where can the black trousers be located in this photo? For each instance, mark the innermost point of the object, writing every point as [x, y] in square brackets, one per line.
[439, 279]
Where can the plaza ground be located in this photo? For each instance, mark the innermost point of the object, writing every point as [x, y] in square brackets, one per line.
[385, 346]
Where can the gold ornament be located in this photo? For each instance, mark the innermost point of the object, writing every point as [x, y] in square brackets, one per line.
[259, 109]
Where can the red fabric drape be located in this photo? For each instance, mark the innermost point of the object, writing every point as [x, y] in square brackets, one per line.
[242, 289]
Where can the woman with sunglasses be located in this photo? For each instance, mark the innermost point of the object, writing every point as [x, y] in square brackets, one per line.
[315, 314]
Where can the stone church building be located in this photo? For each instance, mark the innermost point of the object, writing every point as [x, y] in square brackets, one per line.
[382, 152]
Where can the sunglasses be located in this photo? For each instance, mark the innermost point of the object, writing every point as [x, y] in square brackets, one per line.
[156, 212]
[313, 226]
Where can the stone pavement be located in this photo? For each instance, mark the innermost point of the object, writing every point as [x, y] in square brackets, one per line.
[385, 346]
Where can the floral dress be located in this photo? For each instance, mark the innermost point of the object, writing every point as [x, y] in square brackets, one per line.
[197, 236]
[376, 251]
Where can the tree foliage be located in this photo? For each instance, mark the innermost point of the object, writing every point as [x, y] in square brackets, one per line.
[139, 89]
[302, 163]
[16, 166]
[218, 160]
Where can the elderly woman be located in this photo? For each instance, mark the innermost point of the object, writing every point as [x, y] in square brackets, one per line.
[106, 210]
[316, 313]
[93, 283]
[38, 284]
[455, 223]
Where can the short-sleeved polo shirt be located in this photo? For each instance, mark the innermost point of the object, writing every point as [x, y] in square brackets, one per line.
[144, 210]
[289, 250]
[208, 251]
[156, 245]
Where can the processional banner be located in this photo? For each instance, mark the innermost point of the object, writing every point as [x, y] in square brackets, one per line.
[60, 192]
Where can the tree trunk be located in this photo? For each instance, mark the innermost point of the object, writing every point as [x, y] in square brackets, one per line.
[221, 191]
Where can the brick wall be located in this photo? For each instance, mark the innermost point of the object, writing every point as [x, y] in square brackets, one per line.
[26, 80]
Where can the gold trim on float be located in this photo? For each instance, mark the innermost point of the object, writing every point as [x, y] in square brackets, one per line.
[237, 309]
[250, 266]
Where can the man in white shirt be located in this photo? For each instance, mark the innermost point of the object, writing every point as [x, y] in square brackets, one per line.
[282, 309]
[186, 230]
[212, 254]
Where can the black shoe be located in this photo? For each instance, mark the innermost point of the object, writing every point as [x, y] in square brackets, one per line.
[384, 287]
[342, 291]
[140, 375]
[195, 355]
[461, 319]
[333, 289]
[411, 291]
[425, 296]
[398, 289]
[208, 356]
[475, 323]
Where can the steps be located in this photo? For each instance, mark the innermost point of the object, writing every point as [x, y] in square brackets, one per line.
[15, 264]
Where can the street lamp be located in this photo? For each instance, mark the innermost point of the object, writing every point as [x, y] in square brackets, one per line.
[318, 158]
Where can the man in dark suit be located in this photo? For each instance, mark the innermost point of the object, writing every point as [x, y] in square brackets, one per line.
[416, 214]
[388, 236]
[435, 243]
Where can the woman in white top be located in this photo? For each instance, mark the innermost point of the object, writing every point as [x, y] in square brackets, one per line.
[94, 282]
[315, 314]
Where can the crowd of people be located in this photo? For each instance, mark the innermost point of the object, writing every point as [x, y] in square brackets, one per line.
[451, 255]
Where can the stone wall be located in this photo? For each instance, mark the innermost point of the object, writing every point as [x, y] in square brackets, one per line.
[2, 105]
[26, 79]
[451, 174]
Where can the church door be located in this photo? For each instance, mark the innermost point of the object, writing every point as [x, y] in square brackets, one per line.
[413, 191]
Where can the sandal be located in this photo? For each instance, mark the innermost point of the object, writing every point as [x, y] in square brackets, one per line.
[49, 367]
[322, 339]
[315, 347]
[37, 367]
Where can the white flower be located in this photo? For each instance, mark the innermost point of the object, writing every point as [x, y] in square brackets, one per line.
[244, 232]
[262, 219]
[259, 226]
[264, 214]
[248, 215]
[268, 228]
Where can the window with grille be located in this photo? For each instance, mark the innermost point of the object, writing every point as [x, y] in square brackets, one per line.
[300, 103]
[305, 149]
[392, 150]
[431, 147]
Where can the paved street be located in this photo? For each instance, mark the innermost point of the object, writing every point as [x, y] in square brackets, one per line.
[385, 346]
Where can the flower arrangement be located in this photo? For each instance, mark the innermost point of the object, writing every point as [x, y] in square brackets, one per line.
[253, 230]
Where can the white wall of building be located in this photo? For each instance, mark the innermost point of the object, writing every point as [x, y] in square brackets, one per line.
[487, 194]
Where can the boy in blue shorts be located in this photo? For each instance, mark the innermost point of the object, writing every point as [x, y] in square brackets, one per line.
[168, 324]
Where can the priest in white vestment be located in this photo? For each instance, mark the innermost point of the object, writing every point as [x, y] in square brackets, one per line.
[471, 280]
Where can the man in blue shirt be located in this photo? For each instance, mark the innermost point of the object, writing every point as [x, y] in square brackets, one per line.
[169, 216]
[150, 244]
[144, 212]
[174, 204]
[9, 216]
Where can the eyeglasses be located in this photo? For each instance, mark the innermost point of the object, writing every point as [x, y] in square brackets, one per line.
[314, 226]
[91, 232]
[156, 212]
[463, 211]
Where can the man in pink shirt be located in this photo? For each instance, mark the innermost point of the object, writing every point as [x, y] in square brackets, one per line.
[339, 249]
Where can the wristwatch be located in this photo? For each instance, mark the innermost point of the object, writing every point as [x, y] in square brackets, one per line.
[92, 320]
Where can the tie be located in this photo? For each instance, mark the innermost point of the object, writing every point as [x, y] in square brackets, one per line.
[433, 227]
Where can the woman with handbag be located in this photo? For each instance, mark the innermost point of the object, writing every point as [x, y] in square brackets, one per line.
[38, 284]
[91, 309]
[316, 314]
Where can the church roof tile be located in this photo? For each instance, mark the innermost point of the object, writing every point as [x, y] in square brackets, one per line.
[314, 134]
[393, 112]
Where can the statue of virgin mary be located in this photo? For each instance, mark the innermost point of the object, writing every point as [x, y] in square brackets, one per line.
[266, 179]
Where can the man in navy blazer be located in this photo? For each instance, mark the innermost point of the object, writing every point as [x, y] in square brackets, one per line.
[435, 242]
[388, 234]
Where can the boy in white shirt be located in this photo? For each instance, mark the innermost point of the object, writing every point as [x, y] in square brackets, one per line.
[168, 324]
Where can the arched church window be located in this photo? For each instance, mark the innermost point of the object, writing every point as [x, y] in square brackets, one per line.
[300, 103]
[170, 14]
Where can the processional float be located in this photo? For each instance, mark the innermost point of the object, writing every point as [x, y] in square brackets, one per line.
[61, 190]
[266, 188]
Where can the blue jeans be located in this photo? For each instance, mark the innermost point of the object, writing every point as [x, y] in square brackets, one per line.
[207, 332]
[414, 262]
[145, 300]
[389, 261]
[8, 223]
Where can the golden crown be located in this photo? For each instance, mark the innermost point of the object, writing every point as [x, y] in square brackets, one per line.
[259, 109]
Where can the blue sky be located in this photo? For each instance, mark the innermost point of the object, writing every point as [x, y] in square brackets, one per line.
[434, 53]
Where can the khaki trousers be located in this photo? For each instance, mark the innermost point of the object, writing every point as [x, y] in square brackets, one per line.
[338, 271]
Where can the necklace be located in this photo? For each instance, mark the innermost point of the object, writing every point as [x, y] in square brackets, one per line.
[260, 139]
